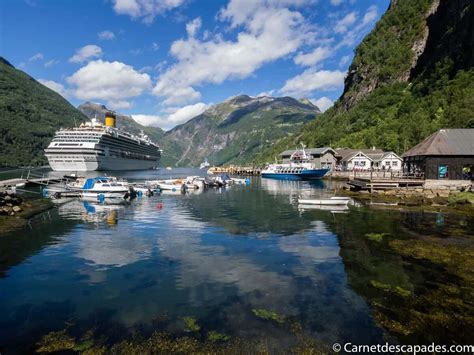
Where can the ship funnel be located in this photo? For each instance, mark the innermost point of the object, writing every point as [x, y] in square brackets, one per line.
[110, 119]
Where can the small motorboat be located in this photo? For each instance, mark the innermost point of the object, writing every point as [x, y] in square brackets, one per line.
[325, 201]
[104, 188]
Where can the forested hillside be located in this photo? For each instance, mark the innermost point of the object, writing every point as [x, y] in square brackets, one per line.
[30, 113]
[412, 75]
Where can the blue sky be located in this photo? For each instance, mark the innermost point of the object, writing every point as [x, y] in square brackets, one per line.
[165, 61]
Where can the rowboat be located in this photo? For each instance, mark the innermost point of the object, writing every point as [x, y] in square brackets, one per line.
[325, 201]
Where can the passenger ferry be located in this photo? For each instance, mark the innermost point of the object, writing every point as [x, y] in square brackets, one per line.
[97, 146]
[299, 168]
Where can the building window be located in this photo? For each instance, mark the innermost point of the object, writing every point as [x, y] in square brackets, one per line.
[443, 171]
[394, 163]
[387, 163]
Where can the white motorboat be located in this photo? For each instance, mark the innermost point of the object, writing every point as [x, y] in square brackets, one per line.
[104, 188]
[325, 201]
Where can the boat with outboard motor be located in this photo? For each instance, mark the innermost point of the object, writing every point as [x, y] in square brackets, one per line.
[299, 168]
[102, 187]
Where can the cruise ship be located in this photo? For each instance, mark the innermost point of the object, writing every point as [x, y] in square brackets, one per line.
[96, 146]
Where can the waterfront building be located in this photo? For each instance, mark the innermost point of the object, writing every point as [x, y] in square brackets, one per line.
[446, 154]
[367, 159]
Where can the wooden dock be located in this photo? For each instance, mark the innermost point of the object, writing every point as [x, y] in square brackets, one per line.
[31, 179]
[361, 183]
[236, 170]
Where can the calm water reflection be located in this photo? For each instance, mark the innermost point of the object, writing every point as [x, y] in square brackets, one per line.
[215, 256]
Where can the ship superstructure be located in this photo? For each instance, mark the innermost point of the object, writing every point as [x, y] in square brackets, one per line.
[97, 146]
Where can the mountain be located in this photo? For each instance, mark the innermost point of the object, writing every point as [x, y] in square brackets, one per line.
[30, 113]
[412, 75]
[98, 111]
[234, 131]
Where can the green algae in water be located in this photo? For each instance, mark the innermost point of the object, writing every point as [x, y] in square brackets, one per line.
[376, 237]
[56, 341]
[398, 290]
[268, 315]
[191, 325]
[215, 336]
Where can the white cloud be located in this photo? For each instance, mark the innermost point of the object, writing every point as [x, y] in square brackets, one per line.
[118, 104]
[106, 35]
[155, 46]
[177, 116]
[370, 15]
[87, 52]
[323, 103]
[269, 33]
[311, 80]
[145, 9]
[55, 86]
[343, 25]
[344, 60]
[352, 36]
[314, 57]
[193, 26]
[37, 56]
[51, 63]
[266, 93]
[112, 81]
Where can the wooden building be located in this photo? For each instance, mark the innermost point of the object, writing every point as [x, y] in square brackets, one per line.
[446, 154]
[320, 157]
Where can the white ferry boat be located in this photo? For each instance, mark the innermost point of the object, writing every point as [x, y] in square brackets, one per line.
[299, 168]
[96, 146]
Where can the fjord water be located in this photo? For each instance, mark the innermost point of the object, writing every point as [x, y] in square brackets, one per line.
[220, 257]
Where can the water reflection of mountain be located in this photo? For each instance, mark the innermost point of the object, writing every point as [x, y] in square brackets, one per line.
[42, 231]
[290, 275]
[249, 210]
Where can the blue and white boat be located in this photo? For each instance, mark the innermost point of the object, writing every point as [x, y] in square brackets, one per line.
[103, 188]
[299, 168]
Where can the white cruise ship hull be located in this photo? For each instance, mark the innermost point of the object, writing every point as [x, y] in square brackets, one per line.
[79, 163]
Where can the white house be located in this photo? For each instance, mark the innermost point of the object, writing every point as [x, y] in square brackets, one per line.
[367, 159]
[389, 161]
[357, 160]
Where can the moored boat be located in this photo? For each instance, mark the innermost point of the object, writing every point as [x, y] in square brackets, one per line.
[104, 188]
[325, 201]
[299, 168]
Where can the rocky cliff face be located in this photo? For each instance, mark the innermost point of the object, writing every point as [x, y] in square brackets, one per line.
[389, 53]
[450, 36]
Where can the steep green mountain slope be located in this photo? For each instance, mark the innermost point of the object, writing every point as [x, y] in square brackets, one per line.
[412, 75]
[92, 110]
[234, 131]
[30, 113]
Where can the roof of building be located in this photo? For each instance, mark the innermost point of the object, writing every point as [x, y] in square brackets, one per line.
[455, 141]
[311, 151]
[352, 154]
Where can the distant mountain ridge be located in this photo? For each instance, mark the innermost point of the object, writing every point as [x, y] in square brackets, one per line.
[229, 132]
